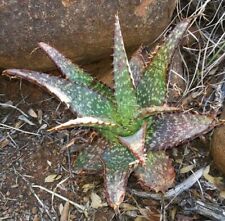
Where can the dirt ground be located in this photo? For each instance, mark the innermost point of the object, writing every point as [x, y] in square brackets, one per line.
[27, 160]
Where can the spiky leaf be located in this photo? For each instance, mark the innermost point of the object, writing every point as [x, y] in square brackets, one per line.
[136, 143]
[85, 121]
[117, 162]
[120, 119]
[170, 130]
[152, 88]
[124, 87]
[154, 110]
[157, 173]
[74, 73]
[82, 100]
[70, 70]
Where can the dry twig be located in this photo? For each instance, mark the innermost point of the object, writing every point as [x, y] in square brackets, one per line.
[209, 210]
[4, 126]
[76, 205]
[44, 207]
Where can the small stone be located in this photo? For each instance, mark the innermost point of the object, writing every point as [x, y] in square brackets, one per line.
[218, 146]
[34, 210]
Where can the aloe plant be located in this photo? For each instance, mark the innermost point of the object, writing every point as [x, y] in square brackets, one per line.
[134, 118]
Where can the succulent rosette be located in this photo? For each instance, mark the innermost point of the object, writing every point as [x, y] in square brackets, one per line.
[134, 118]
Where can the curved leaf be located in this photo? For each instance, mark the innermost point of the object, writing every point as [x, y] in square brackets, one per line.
[74, 73]
[79, 98]
[118, 167]
[85, 121]
[154, 110]
[151, 90]
[65, 65]
[170, 130]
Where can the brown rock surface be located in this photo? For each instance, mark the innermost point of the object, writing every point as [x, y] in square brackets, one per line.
[218, 146]
[82, 30]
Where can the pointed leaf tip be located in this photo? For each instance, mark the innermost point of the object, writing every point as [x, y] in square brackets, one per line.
[79, 98]
[174, 38]
[151, 89]
[65, 65]
[51, 83]
[170, 130]
[124, 85]
[117, 162]
[74, 73]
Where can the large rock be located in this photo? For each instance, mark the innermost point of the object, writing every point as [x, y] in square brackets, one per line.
[82, 30]
[218, 145]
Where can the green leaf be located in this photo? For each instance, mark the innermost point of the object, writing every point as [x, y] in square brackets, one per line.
[109, 135]
[74, 73]
[80, 99]
[118, 167]
[157, 174]
[86, 122]
[124, 87]
[152, 88]
[170, 130]
[70, 70]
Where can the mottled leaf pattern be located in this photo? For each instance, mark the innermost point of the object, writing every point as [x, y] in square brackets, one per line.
[170, 130]
[74, 73]
[124, 87]
[158, 173]
[68, 69]
[118, 167]
[79, 98]
[152, 88]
